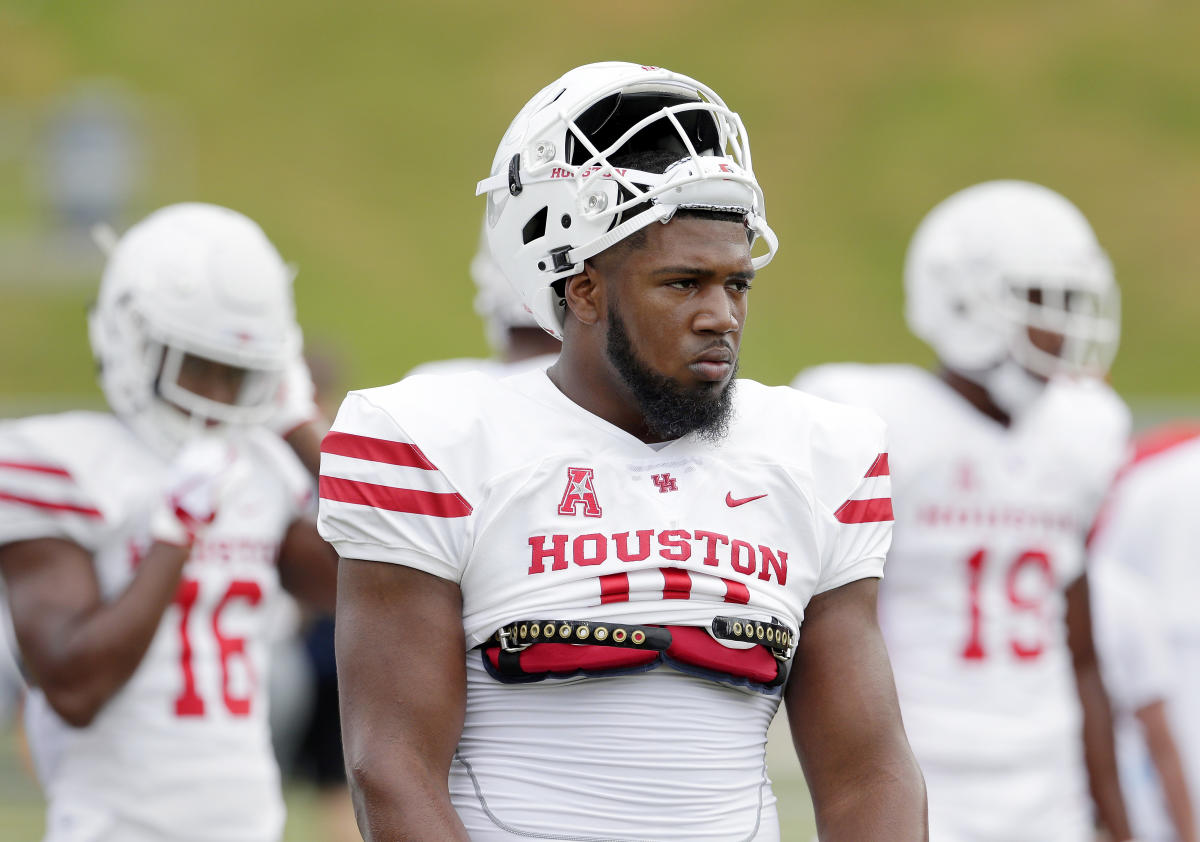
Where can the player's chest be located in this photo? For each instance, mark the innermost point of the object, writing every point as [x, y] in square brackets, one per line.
[986, 486]
[241, 544]
[976, 520]
[592, 517]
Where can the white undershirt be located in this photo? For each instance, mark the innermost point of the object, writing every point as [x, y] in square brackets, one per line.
[658, 755]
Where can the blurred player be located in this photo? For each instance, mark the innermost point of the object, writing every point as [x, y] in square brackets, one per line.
[518, 344]
[998, 466]
[1145, 542]
[593, 575]
[141, 549]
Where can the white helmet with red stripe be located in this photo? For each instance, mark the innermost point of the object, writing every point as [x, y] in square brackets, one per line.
[199, 280]
[555, 198]
[997, 260]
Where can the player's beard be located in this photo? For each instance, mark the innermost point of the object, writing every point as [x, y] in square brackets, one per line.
[670, 410]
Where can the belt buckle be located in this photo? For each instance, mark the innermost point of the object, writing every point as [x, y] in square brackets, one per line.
[507, 644]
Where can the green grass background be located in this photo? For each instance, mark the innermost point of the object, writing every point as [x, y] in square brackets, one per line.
[354, 132]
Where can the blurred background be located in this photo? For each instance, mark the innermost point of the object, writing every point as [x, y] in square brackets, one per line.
[354, 134]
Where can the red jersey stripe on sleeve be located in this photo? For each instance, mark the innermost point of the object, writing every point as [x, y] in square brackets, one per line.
[879, 468]
[614, 588]
[406, 500]
[35, 468]
[875, 510]
[376, 450]
[86, 511]
[1161, 439]
[677, 583]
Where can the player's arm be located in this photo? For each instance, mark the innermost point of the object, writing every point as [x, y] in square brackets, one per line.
[296, 418]
[846, 727]
[402, 689]
[1164, 753]
[1099, 750]
[305, 442]
[308, 567]
[79, 649]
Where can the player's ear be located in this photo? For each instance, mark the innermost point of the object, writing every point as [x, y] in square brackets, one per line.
[584, 295]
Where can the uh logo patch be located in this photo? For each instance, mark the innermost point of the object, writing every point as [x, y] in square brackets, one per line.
[580, 491]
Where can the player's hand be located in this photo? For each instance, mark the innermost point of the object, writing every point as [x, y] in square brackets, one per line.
[295, 402]
[197, 482]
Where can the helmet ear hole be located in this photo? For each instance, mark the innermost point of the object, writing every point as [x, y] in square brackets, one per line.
[535, 227]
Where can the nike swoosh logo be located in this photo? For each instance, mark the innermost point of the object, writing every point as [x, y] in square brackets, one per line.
[732, 501]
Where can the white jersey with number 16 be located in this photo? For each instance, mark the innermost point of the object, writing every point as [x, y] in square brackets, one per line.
[182, 750]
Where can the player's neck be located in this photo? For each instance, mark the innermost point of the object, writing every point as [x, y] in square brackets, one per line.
[593, 385]
[976, 395]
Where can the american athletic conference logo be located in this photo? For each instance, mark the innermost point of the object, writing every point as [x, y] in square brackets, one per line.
[580, 491]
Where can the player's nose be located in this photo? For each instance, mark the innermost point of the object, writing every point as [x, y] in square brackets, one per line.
[718, 311]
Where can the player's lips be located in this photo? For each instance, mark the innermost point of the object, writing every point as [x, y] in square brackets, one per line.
[714, 365]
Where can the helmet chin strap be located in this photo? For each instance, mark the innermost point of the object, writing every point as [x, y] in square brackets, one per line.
[1012, 387]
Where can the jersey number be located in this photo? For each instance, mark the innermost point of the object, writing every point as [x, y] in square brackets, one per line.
[1023, 603]
[189, 702]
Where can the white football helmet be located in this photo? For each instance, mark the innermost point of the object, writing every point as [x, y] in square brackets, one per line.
[999, 258]
[496, 301]
[200, 280]
[554, 199]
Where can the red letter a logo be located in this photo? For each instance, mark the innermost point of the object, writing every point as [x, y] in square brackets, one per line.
[580, 492]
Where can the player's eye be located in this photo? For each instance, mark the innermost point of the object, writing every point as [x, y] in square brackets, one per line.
[683, 283]
[739, 286]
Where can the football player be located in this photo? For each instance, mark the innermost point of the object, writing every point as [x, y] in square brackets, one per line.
[1000, 459]
[571, 601]
[518, 344]
[1144, 544]
[142, 548]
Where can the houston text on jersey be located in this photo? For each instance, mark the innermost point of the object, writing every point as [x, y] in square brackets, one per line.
[674, 545]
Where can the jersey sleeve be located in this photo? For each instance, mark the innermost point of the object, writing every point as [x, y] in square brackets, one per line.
[853, 481]
[1090, 426]
[382, 499]
[862, 530]
[832, 382]
[1130, 639]
[297, 483]
[40, 495]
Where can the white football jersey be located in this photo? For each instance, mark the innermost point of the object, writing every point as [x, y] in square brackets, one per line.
[488, 366]
[182, 750]
[542, 510]
[990, 528]
[1132, 644]
[1150, 526]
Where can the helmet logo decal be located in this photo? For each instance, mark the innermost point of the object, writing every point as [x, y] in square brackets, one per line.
[587, 172]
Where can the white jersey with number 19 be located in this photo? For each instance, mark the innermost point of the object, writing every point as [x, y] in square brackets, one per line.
[540, 510]
[990, 527]
[182, 751]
